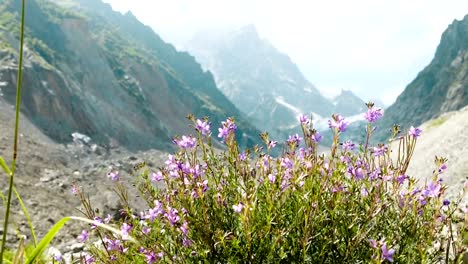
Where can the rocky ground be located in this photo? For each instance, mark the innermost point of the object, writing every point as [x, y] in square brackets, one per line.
[446, 136]
[45, 174]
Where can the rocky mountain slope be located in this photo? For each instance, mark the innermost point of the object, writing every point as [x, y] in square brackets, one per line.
[91, 70]
[441, 87]
[262, 82]
[46, 172]
[349, 104]
[446, 137]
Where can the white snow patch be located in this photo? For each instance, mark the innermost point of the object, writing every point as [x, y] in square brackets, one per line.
[80, 138]
[356, 118]
[280, 100]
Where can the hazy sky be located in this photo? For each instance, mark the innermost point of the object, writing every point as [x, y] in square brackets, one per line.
[372, 47]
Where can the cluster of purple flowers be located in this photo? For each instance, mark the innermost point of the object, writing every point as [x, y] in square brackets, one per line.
[338, 122]
[227, 127]
[186, 142]
[294, 140]
[203, 127]
[373, 114]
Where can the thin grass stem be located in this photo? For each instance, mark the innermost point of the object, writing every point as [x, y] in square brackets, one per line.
[15, 146]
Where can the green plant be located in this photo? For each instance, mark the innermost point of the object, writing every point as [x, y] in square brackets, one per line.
[11, 172]
[250, 207]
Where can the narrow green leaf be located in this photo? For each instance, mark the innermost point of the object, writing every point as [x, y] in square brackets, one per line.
[46, 240]
[19, 253]
[3, 198]
[4, 166]
[28, 218]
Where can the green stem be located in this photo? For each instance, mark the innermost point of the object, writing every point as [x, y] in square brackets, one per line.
[15, 146]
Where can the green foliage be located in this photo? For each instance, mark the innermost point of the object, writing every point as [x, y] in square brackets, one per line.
[301, 207]
[44, 243]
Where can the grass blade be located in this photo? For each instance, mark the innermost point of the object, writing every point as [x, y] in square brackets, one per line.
[18, 259]
[26, 214]
[46, 240]
[15, 146]
[4, 166]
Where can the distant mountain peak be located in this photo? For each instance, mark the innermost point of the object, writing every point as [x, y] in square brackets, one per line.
[249, 30]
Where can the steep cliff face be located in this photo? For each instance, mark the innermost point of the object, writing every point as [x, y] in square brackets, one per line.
[88, 69]
[441, 87]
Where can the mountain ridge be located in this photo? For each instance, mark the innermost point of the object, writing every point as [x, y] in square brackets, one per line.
[86, 68]
[440, 87]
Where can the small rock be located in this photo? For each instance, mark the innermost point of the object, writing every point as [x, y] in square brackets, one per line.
[77, 247]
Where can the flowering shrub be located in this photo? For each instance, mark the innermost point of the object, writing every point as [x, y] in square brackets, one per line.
[353, 205]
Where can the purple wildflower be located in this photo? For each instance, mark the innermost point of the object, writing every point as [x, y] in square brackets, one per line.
[113, 175]
[172, 215]
[446, 202]
[316, 137]
[223, 132]
[150, 257]
[373, 114]
[387, 254]
[83, 236]
[171, 163]
[364, 192]
[108, 219]
[184, 228]
[145, 230]
[154, 212]
[89, 259]
[238, 208]
[186, 242]
[357, 173]
[174, 174]
[304, 119]
[338, 122]
[432, 190]
[75, 189]
[271, 178]
[401, 179]
[187, 142]
[414, 132]
[373, 243]
[125, 230]
[58, 257]
[97, 220]
[203, 127]
[347, 145]
[157, 176]
[379, 151]
[286, 163]
[113, 245]
[442, 168]
[226, 128]
[243, 156]
[294, 140]
[272, 144]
